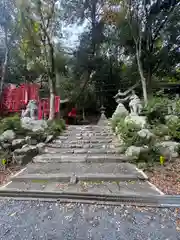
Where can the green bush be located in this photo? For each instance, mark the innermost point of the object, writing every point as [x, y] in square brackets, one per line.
[13, 123]
[56, 127]
[174, 129]
[5, 156]
[160, 130]
[128, 133]
[116, 120]
[40, 136]
[156, 110]
[177, 110]
[151, 156]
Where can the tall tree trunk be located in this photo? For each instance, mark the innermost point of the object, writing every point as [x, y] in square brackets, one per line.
[140, 69]
[149, 80]
[5, 64]
[87, 75]
[93, 27]
[52, 82]
[52, 97]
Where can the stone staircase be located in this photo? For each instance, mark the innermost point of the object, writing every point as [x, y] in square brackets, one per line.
[84, 160]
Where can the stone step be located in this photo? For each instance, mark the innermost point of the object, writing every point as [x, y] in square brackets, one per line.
[88, 128]
[59, 158]
[79, 144]
[83, 168]
[66, 177]
[87, 134]
[127, 188]
[72, 150]
[86, 141]
[74, 137]
[85, 146]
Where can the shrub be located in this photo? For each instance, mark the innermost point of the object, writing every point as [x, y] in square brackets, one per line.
[160, 130]
[156, 110]
[177, 110]
[116, 120]
[128, 133]
[151, 156]
[13, 123]
[56, 127]
[5, 156]
[174, 129]
[40, 136]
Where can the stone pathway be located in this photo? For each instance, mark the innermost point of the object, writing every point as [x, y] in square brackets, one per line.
[50, 220]
[85, 159]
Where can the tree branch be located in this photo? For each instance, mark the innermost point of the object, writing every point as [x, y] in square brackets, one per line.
[162, 24]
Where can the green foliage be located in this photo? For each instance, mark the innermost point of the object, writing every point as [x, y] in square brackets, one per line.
[150, 157]
[177, 109]
[128, 133]
[56, 127]
[174, 129]
[39, 136]
[5, 157]
[156, 110]
[160, 130]
[12, 123]
[116, 120]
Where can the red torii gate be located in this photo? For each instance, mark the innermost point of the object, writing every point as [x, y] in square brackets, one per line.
[14, 98]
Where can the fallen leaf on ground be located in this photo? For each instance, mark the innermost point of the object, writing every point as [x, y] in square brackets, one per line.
[166, 177]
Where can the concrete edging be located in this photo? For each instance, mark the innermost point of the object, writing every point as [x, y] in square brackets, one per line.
[158, 201]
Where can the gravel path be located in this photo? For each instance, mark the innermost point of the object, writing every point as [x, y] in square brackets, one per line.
[25, 220]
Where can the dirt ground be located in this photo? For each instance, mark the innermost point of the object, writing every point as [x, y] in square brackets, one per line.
[167, 177]
[5, 174]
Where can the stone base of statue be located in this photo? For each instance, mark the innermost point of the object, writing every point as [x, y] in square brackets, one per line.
[135, 104]
[29, 118]
[33, 125]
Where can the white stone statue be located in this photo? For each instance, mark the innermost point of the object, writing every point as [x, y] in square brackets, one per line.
[31, 110]
[135, 104]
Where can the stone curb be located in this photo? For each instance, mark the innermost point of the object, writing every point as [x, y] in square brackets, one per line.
[155, 200]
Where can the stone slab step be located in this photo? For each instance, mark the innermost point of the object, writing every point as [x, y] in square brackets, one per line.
[136, 188]
[66, 177]
[89, 128]
[82, 168]
[86, 134]
[77, 144]
[86, 141]
[59, 158]
[85, 146]
[74, 137]
[82, 151]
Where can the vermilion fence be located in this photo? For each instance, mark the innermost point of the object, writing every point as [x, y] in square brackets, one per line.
[14, 98]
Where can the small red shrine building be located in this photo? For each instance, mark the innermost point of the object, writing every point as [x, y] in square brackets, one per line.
[14, 98]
